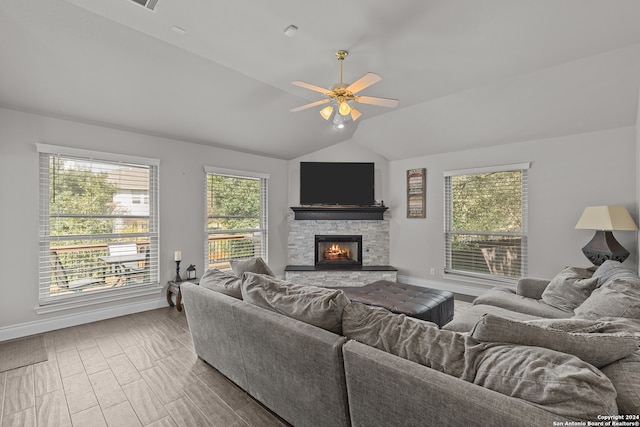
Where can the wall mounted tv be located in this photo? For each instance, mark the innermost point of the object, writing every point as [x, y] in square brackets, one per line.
[332, 183]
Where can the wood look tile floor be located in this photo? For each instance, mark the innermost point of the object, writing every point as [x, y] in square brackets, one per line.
[136, 370]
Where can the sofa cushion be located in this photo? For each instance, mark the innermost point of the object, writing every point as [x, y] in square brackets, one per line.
[569, 288]
[544, 377]
[316, 306]
[603, 325]
[610, 270]
[252, 265]
[549, 379]
[220, 281]
[625, 377]
[412, 339]
[624, 373]
[465, 321]
[615, 298]
[596, 349]
[531, 287]
[507, 299]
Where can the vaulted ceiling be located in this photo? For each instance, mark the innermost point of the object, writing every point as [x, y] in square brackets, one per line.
[468, 73]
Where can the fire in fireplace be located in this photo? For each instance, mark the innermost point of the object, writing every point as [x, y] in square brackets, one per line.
[338, 251]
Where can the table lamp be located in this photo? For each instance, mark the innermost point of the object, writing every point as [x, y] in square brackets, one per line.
[605, 219]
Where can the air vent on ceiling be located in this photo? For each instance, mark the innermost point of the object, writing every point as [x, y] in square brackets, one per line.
[149, 4]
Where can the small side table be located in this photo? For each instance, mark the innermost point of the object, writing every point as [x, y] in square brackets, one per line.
[174, 289]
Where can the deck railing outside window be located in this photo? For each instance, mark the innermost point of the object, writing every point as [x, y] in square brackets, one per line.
[236, 216]
[98, 225]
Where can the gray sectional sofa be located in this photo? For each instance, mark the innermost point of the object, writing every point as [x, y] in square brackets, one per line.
[316, 359]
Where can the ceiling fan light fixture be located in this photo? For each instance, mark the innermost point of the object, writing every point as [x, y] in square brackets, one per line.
[338, 121]
[326, 112]
[344, 108]
[341, 94]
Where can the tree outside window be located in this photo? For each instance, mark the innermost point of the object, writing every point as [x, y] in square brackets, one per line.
[86, 214]
[236, 218]
[485, 233]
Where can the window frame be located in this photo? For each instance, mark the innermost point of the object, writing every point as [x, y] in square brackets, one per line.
[264, 205]
[449, 232]
[150, 285]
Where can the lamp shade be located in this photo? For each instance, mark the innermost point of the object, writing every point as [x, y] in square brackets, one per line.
[606, 218]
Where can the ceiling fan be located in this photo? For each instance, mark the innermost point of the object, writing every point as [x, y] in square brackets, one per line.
[341, 94]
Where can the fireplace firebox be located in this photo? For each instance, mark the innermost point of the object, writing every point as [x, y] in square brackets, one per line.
[338, 251]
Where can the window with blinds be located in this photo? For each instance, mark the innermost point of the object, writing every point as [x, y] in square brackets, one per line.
[236, 216]
[486, 222]
[98, 225]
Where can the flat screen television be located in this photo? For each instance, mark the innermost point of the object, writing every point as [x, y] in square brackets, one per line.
[333, 183]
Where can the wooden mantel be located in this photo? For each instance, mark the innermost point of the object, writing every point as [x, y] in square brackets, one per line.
[370, 213]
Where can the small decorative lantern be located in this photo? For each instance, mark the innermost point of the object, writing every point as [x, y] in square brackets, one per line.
[191, 272]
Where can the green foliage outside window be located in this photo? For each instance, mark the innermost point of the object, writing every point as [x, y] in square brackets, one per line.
[76, 194]
[234, 218]
[489, 202]
[486, 223]
[233, 203]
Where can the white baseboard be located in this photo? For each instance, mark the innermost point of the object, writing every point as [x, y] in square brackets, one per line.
[473, 289]
[51, 324]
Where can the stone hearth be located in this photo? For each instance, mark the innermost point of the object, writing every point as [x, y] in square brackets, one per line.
[375, 252]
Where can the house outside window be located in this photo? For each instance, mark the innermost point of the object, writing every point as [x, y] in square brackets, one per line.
[236, 216]
[96, 244]
[486, 222]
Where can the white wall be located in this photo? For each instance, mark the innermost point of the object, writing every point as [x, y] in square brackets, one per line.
[181, 206]
[566, 174]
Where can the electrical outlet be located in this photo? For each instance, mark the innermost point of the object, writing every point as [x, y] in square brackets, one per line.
[433, 271]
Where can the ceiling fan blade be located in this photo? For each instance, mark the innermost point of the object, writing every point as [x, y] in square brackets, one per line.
[312, 87]
[364, 82]
[313, 104]
[381, 102]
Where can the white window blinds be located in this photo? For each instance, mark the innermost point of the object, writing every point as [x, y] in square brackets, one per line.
[98, 225]
[236, 216]
[486, 222]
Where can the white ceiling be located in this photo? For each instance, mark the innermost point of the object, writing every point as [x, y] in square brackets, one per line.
[468, 73]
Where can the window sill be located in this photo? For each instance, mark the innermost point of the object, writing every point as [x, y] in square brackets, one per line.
[481, 280]
[81, 301]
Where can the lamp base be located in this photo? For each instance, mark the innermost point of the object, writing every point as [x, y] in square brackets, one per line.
[604, 247]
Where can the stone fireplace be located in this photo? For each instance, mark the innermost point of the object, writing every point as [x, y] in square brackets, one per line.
[366, 240]
[341, 251]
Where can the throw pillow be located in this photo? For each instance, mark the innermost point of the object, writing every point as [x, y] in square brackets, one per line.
[317, 306]
[616, 298]
[548, 379]
[610, 270]
[220, 281]
[625, 377]
[596, 349]
[252, 265]
[569, 288]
